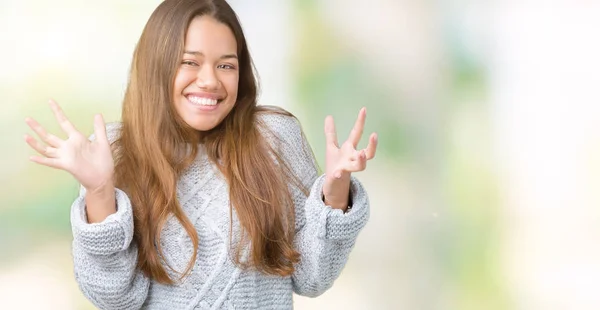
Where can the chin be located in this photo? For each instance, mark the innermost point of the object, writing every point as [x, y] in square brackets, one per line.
[204, 122]
[203, 126]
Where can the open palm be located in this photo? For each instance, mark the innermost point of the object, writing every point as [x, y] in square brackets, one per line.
[342, 160]
[90, 162]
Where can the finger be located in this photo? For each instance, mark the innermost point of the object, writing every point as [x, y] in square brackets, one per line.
[360, 164]
[351, 167]
[63, 121]
[50, 162]
[371, 147]
[100, 128]
[357, 165]
[357, 130]
[50, 139]
[40, 147]
[355, 155]
[330, 134]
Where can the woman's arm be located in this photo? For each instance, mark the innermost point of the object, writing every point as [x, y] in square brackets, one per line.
[325, 238]
[324, 235]
[104, 253]
[105, 257]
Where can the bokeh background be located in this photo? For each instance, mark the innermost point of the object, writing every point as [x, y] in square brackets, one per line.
[484, 190]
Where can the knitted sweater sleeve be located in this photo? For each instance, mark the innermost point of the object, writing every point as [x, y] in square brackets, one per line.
[104, 255]
[324, 236]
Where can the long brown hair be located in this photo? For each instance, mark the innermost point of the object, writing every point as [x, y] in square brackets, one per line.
[155, 147]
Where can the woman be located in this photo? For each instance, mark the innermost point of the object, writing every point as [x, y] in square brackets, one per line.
[199, 198]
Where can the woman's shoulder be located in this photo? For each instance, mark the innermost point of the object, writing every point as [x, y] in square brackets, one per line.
[113, 131]
[278, 122]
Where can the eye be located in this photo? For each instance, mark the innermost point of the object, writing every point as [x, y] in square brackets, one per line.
[189, 63]
[226, 67]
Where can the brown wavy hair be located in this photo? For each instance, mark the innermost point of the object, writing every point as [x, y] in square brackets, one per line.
[155, 146]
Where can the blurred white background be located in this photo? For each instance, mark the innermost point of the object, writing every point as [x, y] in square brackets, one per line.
[484, 190]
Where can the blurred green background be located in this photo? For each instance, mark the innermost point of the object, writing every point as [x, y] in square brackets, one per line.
[484, 188]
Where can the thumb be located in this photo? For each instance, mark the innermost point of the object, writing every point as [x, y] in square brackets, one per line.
[100, 128]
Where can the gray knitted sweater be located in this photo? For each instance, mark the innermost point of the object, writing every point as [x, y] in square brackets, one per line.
[105, 256]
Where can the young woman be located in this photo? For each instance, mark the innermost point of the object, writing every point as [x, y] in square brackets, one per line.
[199, 198]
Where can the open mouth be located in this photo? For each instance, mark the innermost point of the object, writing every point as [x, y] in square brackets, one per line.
[203, 101]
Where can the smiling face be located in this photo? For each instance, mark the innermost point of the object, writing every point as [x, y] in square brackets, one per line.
[206, 83]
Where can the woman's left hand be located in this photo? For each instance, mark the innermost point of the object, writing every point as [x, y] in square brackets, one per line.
[340, 162]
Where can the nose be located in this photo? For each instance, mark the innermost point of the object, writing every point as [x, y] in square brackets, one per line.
[206, 78]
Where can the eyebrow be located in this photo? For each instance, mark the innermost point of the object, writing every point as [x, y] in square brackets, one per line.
[197, 53]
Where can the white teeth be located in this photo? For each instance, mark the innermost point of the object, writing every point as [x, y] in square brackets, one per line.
[202, 100]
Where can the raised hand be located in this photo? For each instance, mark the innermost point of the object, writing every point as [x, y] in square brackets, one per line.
[341, 161]
[90, 162]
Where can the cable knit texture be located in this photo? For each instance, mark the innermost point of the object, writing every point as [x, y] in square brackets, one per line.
[105, 256]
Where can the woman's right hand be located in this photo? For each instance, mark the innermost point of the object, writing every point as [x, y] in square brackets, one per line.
[90, 162]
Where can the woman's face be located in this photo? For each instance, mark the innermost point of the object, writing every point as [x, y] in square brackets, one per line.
[206, 84]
